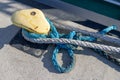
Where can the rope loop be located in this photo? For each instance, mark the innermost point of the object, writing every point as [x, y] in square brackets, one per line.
[71, 55]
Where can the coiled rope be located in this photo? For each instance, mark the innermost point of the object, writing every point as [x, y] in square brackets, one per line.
[67, 42]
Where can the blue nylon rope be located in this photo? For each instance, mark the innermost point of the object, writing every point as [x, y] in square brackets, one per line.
[72, 35]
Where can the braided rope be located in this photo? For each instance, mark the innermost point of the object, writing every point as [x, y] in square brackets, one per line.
[70, 53]
[94, 34]
[62, 24]
[74, 42]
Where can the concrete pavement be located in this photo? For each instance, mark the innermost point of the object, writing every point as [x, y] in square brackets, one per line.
[18, 65]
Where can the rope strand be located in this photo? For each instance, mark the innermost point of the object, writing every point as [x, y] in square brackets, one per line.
[74, 42]
[94, 34]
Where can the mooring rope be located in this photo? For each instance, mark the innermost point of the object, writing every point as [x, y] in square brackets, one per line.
[75, 42]
[65, 42]
[106, 38]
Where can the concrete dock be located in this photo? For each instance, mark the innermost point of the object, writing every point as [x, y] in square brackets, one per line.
[16, 64]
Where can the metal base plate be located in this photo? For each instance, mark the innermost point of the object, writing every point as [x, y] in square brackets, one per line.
[31, 48]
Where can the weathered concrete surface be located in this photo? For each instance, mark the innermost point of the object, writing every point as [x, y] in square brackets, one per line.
[17, 65]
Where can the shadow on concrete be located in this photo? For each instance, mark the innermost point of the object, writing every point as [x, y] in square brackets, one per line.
[12, 35]
[100, 57]
[98, 27]
[34, 4]
[6, 34]
[8, 7]
[47, 60]
[62, 58]
[30, 48]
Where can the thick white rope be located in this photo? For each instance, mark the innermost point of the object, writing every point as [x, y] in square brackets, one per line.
[115, 50]
[62, 24]
[94, 34]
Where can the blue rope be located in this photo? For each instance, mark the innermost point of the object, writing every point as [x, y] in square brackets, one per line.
[72, 35]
